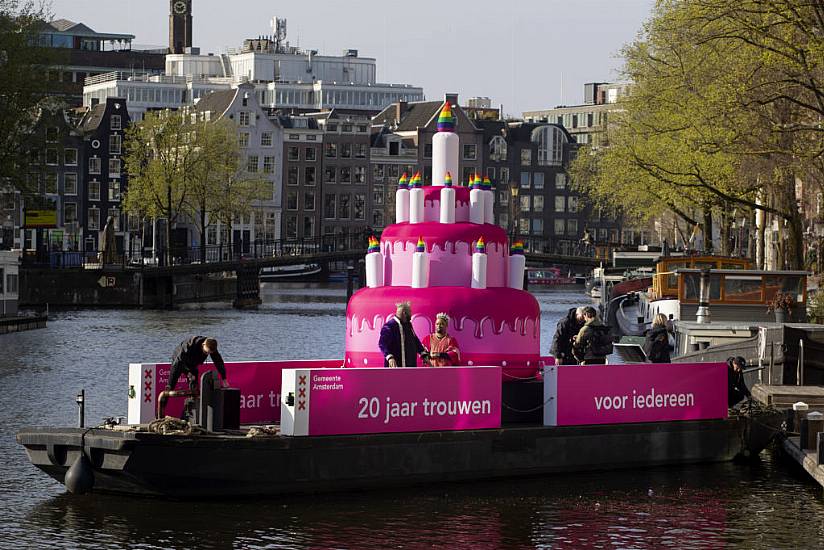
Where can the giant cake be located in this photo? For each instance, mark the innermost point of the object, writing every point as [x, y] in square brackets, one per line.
[444, 253]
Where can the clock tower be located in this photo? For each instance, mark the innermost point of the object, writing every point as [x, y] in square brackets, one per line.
[180, 25]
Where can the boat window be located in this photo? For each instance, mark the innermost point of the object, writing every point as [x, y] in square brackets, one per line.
[672, 279]
[703, 265]
[731, 265]
[692, 285]
[791, 284]
[742, 288]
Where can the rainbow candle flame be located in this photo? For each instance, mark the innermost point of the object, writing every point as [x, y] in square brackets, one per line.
[487, 184]
[517, 248]
[421, 246]
[446, 121]
[402, 183]
[447, 181]
[480, 246]
[416, 180]
[374, 245]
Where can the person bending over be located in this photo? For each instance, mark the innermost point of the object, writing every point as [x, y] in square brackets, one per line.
[565, 331]
[189, 355]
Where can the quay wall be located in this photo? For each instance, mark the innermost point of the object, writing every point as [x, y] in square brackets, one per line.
[118, 288]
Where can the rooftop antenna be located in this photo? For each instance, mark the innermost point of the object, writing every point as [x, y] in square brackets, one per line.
[279, 33]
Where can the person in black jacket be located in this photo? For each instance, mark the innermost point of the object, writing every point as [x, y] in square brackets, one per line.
[657, 341]
[189, 355]
[737, 389]
[565, 331]
[594, 341]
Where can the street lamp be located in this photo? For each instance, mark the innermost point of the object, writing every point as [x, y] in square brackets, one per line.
[514, 190]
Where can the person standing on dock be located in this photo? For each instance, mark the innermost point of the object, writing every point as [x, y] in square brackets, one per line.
[443, 348]
[737, 389]
[398, 342]
[189, 355]
[565, 332]
[657, 341]
[593, 342]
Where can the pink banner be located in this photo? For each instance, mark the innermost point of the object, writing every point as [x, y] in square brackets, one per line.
[258, 381]
[618, 394]
[353, 401]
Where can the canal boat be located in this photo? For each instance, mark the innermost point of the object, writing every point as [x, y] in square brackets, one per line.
[348, 423]
[548, 276]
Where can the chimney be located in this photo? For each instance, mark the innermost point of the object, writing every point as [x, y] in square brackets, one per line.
[400, 109]
[452, 99]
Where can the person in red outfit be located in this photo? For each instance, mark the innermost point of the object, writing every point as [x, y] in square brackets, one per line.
[443, 349]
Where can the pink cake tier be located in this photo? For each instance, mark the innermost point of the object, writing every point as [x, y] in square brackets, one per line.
[450, 252]
[493, 326]
[432, 203]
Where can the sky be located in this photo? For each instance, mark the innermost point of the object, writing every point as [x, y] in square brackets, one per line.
[523, 54]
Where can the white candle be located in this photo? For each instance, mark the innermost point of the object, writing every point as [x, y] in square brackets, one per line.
[479, 261]
[515, 277]
[476, 206]
[445, 147]
[374, 264]
[416, 211]
[402, 205]
[420, 266]
[447, 201]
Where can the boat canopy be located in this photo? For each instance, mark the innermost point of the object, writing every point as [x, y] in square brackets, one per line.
[735, 286]
[665, 281]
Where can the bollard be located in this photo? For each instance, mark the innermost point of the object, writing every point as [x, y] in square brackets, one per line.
[81, 408]
[811, 426]
[350, 274]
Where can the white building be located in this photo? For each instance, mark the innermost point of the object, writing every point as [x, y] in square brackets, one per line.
[9, 282]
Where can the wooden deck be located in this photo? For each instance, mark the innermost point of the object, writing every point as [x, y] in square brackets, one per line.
[783, 397]
[807, 459]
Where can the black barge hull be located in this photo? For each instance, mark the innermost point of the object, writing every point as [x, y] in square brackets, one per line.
[143, 463]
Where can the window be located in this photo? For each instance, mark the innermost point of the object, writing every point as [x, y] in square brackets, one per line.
[523, 225]
[292, 200]
[70, 157]
[311, 137]
[330, 150]
[345, 174]
[377, 172]
[497, 149]
[293, 153]
[470, 151]
[360, 204]
[346, 128]
[377, 197]
[243, 139]
[51, 157]
[345, 150]
[329, 174]
[268, 165]
[525, 203]
[114, 144]
[243, 118]
[310, 173]
[308, 226]
[537, 226]
[504, 176]
[490, 173]
[360, 150]
[114, 213]
[114, 190]
[560, 226]
[291, 227]
[332, 126]
[252, 164]
[360, 174]
[524, 180]
[572, 228]
[377, 218]
[51, 135]
[538, 180]
[344, 211]
[362, 128]
[11, 283]
[329, 206]
[309, 200]
[560, 204]
[114, 168]
[114, 122]
[51, 182]
[503, 220]
[572, 204]
[94, 190]
[94, 218]
[427, 151]
[503, 198]
[560, 181]
[292, 176]
[266, 139]
[550, 141]
[526, 157]
[538, 203]
[70, 183]
[310, 154]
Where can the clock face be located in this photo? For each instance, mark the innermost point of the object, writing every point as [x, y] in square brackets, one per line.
[180, 6]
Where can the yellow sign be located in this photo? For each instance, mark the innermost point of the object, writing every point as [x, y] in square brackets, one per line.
[39, 219]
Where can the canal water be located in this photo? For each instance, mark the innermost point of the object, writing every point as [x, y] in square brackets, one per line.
[762, 505]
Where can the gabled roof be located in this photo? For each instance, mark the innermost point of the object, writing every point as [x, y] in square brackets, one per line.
[63, 24]
[93, 117]
[419, 114]
[216, 102]
[66, 26]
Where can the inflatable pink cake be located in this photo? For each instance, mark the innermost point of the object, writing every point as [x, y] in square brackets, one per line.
[444, 253]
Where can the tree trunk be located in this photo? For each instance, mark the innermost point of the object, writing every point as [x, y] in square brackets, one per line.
[168, 225]
[202, 234]
[708, 244]
[724, 231]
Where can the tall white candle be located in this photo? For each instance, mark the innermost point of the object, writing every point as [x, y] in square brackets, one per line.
[374, 264]
[476, 206]
[447, 201]
[515, 277]
[402, 201]
[420, 266]
[479, 261]
[416, 211]
[489, 202]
